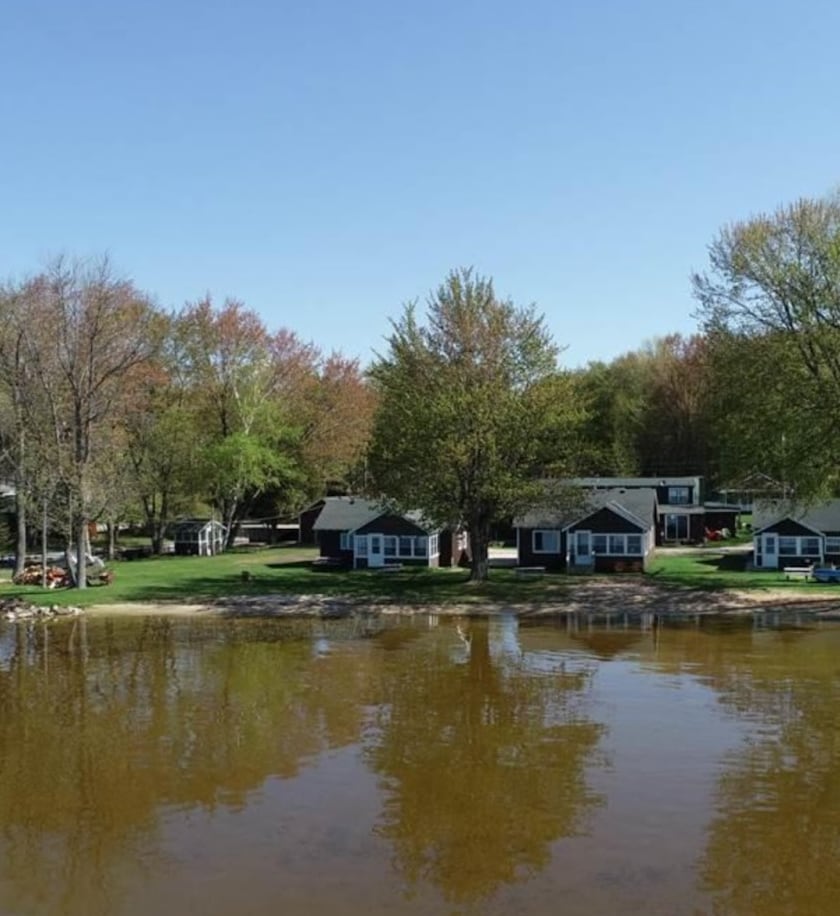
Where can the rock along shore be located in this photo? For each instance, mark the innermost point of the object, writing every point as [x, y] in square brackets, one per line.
[14, 609]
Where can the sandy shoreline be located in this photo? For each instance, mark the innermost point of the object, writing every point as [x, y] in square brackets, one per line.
[592, 597]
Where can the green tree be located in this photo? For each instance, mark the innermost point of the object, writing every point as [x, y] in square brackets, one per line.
[239, 375]
[472, 410]
[771, 302]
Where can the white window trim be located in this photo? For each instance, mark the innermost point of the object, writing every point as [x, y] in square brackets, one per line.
[675, 516]
[684, 498]
[544, 531]
[625, 552]
[798, 545]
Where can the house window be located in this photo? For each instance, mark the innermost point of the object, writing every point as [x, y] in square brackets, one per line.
[787, 547]
[419, 547]
[676, 527]
[346, 540]
[617, 544]
[405, 546]
[634, 544]
[433, 545]
[599, 543]
[361, 545]
[390, 546]
[832, 545]
[546, 541]
[679, 496]
[810, 547]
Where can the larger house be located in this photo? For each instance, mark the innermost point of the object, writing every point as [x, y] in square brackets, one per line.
[682, 515]
[785, 534]
[363, 533]
[607, 530]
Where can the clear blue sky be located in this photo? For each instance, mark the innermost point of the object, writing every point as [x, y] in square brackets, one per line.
[326, 161]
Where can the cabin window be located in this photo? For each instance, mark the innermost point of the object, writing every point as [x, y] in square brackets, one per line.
[546, 541]
[346, 540]
[405, 546]
[599, 543]
[832, 545]
[679, 496]
[433, 545]
[616, 544]
[390, 545]
[419, 547]
[810, 547]
[787, 547]
[634, 543]
[361, 545]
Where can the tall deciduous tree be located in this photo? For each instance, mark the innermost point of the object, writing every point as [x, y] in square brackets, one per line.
[16, 408]
[472, 410]
[771, 300]
[89, 331]
[240, 375]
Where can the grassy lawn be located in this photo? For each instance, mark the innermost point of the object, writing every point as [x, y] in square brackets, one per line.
[288, 570]
[285, 570]
[708, 568]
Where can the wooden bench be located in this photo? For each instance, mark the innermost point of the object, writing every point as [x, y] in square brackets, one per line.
[798, 572]
[528, 572]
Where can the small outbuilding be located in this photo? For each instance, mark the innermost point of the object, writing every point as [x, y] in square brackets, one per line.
[198, 536]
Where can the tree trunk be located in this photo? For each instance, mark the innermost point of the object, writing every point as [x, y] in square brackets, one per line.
[44, 544]
[112, 540]
[20, 541]
[479, 546]
[81, 539]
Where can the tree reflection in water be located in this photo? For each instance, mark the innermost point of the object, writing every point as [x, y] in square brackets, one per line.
[483, 760]
[105, 726]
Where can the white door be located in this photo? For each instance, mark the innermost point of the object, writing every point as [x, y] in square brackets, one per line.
[375, 552]
[770, 554]
[583, 547]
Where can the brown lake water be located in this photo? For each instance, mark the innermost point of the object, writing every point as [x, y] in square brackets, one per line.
[207, 766]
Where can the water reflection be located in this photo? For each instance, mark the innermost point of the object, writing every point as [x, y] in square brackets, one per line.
[774, 839]
[101, 727]
[163, 765]
[483, 763]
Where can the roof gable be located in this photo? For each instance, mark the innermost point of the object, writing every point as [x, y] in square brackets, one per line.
[346, 513]
[352, 513]
[610, 518]
[819, 518]
[637, 506]
[394, 523]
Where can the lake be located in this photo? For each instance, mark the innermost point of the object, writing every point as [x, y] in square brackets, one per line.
[419, 766]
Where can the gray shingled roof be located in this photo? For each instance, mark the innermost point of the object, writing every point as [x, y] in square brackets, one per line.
[346, 513]
[823, 516]
[640, 503]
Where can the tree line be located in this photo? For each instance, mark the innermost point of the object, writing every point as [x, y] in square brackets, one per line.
[115, 409]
